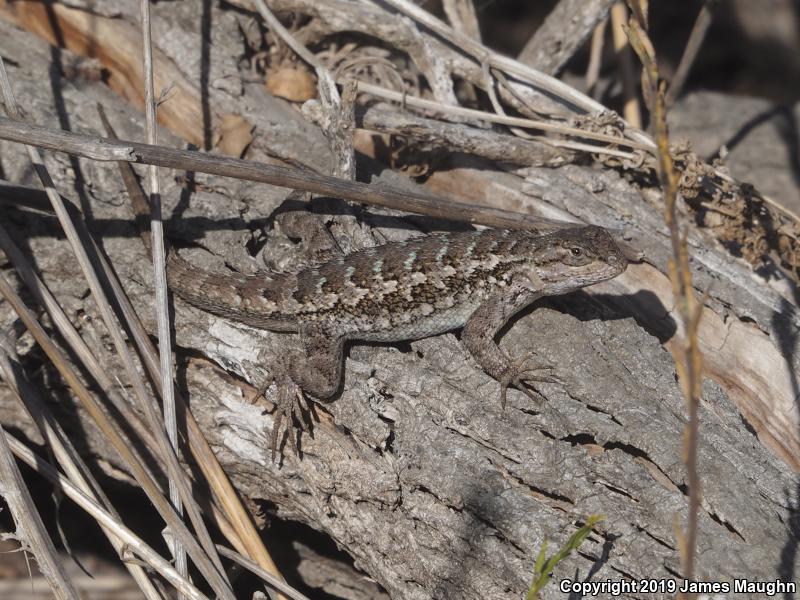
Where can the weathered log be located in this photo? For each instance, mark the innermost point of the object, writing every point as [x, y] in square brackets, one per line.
[414, 469]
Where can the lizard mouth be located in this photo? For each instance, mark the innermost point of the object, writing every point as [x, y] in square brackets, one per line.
[618, 262]
[586, 275]
[614, 265]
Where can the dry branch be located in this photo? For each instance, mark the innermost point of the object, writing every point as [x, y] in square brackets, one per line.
[686, 353]
[111, 150]
[563, 33]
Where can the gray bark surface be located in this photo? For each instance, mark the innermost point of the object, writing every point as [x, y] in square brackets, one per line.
[563, 33]
[415, 470]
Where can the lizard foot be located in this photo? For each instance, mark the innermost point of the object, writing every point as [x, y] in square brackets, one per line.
[289, 407]
[521, 373]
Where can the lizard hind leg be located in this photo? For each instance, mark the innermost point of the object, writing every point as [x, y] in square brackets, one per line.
[289, 408]
[315, 372]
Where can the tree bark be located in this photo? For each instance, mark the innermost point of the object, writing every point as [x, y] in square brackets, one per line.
[415, 469]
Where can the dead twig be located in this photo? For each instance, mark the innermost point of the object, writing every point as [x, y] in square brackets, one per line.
[690, 52]
[688, 361]
[160, 282]
[385, 196]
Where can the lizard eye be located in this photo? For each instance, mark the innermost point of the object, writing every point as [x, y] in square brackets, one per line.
[576, 251]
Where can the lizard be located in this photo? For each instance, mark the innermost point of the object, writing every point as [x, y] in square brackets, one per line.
[400, 291]
[471, 280]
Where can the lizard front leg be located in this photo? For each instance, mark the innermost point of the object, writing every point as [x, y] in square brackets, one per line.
[316, 371]
[481, 329]
[318, 243]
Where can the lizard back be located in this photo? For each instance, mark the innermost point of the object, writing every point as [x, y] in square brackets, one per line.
[402, 290]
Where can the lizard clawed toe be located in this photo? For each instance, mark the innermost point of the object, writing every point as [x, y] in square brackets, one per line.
[261, 391]
[288, 407]
[521, 373]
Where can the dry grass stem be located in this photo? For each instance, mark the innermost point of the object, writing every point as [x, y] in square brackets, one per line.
[69, 459]
[630, 110]
[480, 115]
[132, 542]
[688, 361]
[30, 530]
[241, 533]
[160, 285]
[210, 572]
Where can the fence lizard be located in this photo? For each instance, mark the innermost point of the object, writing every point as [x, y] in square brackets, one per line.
[475, 280]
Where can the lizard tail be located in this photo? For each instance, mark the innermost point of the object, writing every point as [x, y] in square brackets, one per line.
[223, 295]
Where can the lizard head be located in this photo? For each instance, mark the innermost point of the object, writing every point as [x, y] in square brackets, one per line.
[578, 257]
